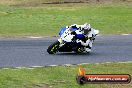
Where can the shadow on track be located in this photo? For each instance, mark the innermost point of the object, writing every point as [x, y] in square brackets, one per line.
[76, 54]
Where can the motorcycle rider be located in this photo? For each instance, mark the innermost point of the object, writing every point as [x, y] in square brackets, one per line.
[88, 35]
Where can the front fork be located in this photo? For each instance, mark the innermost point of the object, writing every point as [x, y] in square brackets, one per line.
[60, 40]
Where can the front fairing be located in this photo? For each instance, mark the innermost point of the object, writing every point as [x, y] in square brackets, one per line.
[65, 35]
[62, 31]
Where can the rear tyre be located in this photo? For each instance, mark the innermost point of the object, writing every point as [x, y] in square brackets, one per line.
[78, 51]
[53, 48]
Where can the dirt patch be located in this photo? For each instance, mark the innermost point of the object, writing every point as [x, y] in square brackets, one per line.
[7, 2]
[36, 3]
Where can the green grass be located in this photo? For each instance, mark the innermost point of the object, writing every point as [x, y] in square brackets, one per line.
[61, 76]
[47, 20]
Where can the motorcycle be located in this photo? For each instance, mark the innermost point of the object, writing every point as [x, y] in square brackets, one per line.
[68, 42]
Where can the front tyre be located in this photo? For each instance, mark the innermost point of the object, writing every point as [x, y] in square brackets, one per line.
[53, 48]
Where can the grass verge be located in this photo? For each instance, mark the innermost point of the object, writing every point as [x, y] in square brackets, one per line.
[47, 20]
[61, 76]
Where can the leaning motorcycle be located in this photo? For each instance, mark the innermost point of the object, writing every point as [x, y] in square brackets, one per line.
[67, 42]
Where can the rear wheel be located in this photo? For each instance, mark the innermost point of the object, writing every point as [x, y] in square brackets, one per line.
[78, 50]
[53, 48]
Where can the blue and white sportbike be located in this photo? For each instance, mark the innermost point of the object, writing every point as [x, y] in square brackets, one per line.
[67, 42]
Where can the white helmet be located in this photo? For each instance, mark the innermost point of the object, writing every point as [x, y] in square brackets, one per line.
[86, 28]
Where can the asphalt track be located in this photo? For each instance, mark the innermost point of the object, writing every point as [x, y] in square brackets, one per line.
[32, 52]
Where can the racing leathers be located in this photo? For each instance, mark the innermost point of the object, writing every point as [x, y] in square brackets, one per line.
[88, 38]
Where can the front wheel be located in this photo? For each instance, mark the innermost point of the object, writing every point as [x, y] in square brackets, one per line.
[53, 48]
